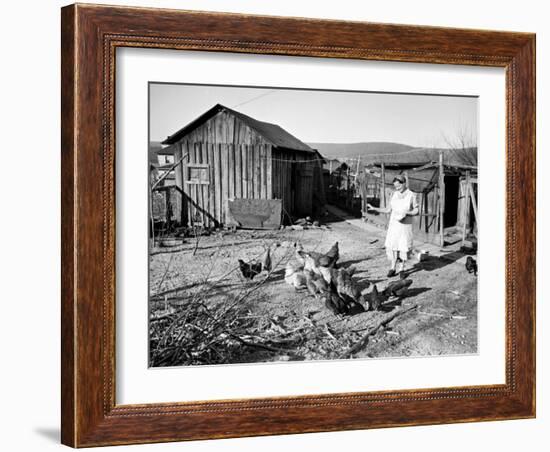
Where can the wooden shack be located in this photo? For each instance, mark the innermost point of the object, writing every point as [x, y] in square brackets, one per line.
[224, 155]
[445, 181]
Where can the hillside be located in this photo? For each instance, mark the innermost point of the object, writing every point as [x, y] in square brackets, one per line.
[351, 150]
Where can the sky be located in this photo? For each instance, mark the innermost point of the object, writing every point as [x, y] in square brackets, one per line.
[322, 116]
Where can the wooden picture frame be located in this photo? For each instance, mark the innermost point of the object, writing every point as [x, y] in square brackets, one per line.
[90, 36]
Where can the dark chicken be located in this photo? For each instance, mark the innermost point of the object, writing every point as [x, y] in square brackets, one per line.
[336, 304]
[471, 265]
[346, 287]
[250, 270]
[266, 266]
[375, 299]
[331, 256]
[397, 288]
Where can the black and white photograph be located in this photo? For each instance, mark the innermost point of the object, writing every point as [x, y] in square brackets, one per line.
[294, 225]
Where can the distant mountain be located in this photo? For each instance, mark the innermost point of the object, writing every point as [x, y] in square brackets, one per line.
[394, 153]
[351, 150]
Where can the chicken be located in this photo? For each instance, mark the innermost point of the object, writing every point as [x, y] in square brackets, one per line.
[313, 260]
[266, 265]
[471, 265]
[345, 286]
[294, 275]
[320, 283]
[375, 299]
[355, 307]
[397, 288]
[335, 304]
[365, 303]
[299, 257]
[311, 287]
[326, 273]
[250, 270]
[332, 256]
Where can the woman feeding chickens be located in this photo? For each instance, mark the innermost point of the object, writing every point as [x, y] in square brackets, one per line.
[399, 238]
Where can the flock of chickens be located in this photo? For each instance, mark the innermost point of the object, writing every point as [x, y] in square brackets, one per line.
[321, 275]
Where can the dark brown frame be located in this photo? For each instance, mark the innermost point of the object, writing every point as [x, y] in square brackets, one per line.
[90, 35]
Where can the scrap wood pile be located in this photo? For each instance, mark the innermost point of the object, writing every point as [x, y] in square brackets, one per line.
[229, 333]
[306, 223]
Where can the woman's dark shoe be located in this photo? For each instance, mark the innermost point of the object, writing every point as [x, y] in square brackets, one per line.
[391, 273]
[402, 274]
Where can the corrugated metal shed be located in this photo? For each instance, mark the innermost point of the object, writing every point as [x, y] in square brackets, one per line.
[422, 156]
[420, 181]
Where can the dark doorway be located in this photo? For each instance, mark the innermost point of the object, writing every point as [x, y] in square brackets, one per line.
[452, 186]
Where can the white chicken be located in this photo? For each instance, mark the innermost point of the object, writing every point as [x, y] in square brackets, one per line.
[294, 275]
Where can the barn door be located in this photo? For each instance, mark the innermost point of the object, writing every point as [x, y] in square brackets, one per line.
[303, 194]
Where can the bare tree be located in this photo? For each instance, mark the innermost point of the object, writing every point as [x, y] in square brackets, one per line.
[463, 141]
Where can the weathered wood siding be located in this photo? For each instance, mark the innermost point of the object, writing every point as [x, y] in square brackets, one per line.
[282, 180]
[241, 164]
[294, 181]
[234, 171]
[224, 128]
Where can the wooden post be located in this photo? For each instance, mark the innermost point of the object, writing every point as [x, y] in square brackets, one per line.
[168, 204]
[473, 198]
[383, 189]
[348, 188]
[441, 199]
[406, 179]
[466, 206]
[151, 214]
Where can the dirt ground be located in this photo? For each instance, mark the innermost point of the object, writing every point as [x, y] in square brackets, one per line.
[443, 322]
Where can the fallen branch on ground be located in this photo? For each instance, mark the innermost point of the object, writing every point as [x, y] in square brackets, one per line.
[365, 339]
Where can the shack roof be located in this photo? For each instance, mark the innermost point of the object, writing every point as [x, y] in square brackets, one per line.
[273, 133]
[458, 158]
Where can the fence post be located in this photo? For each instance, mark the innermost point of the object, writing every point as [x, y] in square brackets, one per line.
[466, 207]
[383, 191]
[441, 199]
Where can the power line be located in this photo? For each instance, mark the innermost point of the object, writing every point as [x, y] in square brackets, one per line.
[254, 98]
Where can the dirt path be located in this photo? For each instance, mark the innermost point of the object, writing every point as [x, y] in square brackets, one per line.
[445, 321]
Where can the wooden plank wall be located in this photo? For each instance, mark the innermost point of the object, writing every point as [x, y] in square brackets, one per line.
[235, 171]
[282, 181]
[224, 128]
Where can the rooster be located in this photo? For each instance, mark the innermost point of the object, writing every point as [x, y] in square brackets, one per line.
[397, 288]
[471, 265]
[250, 270]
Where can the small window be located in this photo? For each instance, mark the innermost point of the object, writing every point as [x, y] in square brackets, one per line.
[197, 174]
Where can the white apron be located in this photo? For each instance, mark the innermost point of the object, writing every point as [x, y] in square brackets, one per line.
[400, 234]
